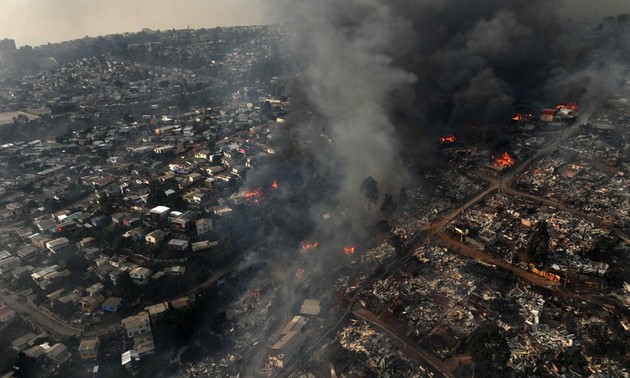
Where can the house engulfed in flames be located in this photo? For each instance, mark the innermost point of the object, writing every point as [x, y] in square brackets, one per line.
[498, 164]
[562, 112]
[504, 161]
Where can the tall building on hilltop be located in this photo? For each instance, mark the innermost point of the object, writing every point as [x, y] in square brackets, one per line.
[7, 54]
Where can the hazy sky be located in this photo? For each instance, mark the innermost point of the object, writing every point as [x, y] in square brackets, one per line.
[36, 22]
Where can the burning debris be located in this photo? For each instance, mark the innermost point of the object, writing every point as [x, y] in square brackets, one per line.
[274, 185]
[349, 250]
[522, 117]
[567, 111]
[448, 139]
[255, 193]
[376, 353]
[570, 106]
[307, 246]
[504, 161]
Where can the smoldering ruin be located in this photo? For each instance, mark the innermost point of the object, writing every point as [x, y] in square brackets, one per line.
[377, 82]
[380, 93]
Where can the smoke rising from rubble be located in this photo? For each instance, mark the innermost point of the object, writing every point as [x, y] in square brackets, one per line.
[379, 82]
[383, 78]
[349, 80]
[386, 77]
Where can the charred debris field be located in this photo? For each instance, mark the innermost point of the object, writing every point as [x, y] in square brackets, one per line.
[371, 189]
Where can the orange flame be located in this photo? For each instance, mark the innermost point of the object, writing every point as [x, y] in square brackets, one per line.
[571, 105]
[349, 250]
[308, 246]
[274, 184]
[505, 161]
[448, 139]
[253, 193]
[522, 117]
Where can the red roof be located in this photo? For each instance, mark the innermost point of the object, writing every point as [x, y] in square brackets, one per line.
[6, 312]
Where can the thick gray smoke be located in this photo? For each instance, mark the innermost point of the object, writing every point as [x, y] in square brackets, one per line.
[349, 80]
[380, 80]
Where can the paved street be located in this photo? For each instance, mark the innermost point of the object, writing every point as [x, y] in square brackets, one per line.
[46, 322]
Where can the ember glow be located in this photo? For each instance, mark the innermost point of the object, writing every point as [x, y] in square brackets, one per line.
[504, 161]
[448, 139]
[308, 246]
[253, 193]
[522, 117]
[571, 105]
[349, 250]
[274, 185]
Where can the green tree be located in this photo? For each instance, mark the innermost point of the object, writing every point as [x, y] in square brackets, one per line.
[156, 195]
[77, 264]
[369, 188]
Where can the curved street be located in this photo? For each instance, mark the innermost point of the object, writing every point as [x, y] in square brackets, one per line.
[409, 346]
[49, 323]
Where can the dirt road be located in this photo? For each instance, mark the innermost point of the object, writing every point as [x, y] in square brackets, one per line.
[410, 347]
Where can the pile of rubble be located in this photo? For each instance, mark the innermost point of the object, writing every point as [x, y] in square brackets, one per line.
[382, 253]
[419, 209]
[593, 148]
[209, 367]
[376, 352]
[595, 181]
[522, 354]
[503, 225]
[426, 300]
[456, 187]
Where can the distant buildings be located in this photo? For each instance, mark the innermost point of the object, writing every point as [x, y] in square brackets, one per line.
[7, 54]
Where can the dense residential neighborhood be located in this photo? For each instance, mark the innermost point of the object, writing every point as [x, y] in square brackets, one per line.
[101, 223]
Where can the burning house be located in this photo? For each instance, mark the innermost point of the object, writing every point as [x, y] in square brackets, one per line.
[498, 165]
[547, 115]
[561, 113]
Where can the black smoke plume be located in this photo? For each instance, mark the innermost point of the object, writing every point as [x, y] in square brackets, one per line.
[380, 80]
